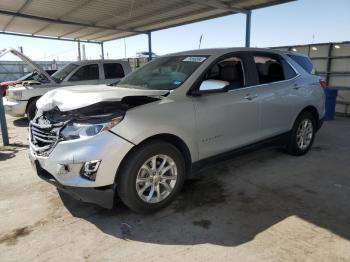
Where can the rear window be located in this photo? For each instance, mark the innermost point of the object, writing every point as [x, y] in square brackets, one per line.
[113, 70]
[304, 62]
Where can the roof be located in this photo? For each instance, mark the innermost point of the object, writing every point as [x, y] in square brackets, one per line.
[104, 61]
[223, 51]
[104, 20]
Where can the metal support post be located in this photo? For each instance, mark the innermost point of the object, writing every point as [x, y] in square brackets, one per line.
[248, 28]
[102, 51]
[149, 46]
[4, 133]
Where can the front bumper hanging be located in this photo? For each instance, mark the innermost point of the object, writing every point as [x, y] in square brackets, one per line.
[102, 196]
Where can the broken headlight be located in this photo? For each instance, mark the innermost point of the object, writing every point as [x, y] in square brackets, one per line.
[83, 130]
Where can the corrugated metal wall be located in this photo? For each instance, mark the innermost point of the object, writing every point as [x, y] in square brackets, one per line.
[332, 61]
[12, 70]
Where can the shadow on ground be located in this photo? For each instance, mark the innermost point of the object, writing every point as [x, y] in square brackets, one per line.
[229, 204]
[8, 152]
[21, 122]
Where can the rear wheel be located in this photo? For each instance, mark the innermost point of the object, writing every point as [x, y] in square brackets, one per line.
[151, 177]
[302, 135]
[31, 109]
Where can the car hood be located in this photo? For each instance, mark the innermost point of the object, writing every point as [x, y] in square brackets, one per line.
[28, 61]
[75, 97]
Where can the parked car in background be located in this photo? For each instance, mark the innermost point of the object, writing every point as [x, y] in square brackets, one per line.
[143, 137]
[31, 78]
[21, 100]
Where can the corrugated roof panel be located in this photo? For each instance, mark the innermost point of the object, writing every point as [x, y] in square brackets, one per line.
[170, 16]
[25, 25]
[4, 20]
[96, 11]
[57, 30]
[100, 34]
[181, 20]
[50, 8]
[11, 5]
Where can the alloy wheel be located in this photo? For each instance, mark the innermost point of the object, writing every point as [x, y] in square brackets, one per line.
[305, 134]
[156, 178]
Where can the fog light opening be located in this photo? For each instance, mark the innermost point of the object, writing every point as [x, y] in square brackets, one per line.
[89, 169]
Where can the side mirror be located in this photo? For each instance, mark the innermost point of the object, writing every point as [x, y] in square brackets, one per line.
[211, 86]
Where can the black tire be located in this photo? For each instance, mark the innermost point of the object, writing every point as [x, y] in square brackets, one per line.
[31, 109]
[126, 177]
[292, 145]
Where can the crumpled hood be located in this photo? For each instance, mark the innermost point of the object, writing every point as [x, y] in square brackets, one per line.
[74, 97]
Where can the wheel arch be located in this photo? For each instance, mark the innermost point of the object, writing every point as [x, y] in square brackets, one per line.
[171, 139]
[31, 100]
[313, 110]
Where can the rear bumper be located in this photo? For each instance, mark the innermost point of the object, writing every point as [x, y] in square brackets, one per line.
[15, 108]
[102, 196]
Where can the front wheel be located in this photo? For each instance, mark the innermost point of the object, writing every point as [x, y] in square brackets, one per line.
[151, 177]
[302, 135]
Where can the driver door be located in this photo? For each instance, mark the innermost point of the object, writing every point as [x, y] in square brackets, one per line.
[227, 119]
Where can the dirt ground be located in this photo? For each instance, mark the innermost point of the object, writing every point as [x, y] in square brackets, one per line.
[262, 206]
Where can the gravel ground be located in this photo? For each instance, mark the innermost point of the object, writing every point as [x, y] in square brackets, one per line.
[262, 206]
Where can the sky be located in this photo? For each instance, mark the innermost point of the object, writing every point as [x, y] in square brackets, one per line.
[300, 22]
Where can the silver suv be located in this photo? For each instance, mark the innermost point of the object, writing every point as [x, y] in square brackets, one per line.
[142, 137]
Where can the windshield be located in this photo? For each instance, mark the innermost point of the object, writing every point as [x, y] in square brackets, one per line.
[164, 73]
[61, 74]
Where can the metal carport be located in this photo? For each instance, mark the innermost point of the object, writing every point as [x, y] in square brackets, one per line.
[98, 21]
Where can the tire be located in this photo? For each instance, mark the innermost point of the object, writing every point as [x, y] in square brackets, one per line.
[129, 190]
[31, 109]
[297, 143]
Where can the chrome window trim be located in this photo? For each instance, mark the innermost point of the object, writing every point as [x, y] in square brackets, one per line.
[271, 83]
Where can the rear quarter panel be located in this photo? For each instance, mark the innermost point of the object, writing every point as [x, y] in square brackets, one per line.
[310, 94]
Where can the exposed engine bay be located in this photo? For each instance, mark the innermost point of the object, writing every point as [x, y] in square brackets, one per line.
[97, 112]
[50, 127]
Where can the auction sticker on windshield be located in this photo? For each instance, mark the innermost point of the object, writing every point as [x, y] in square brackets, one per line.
[197, 59]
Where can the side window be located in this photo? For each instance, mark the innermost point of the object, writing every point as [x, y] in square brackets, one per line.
[113, 70]
[269, 69]
[88, 72]
[229, 70]
[304, 62]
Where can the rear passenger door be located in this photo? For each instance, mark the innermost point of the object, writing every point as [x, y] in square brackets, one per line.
[85, 75]
[277, 82]
[112, 72]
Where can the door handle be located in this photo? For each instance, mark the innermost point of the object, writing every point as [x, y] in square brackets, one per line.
[250, 97]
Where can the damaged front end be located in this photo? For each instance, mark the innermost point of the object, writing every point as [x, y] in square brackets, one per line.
[85, 163]
[50, 127]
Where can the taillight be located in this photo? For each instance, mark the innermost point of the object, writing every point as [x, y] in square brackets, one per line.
[323, 83]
